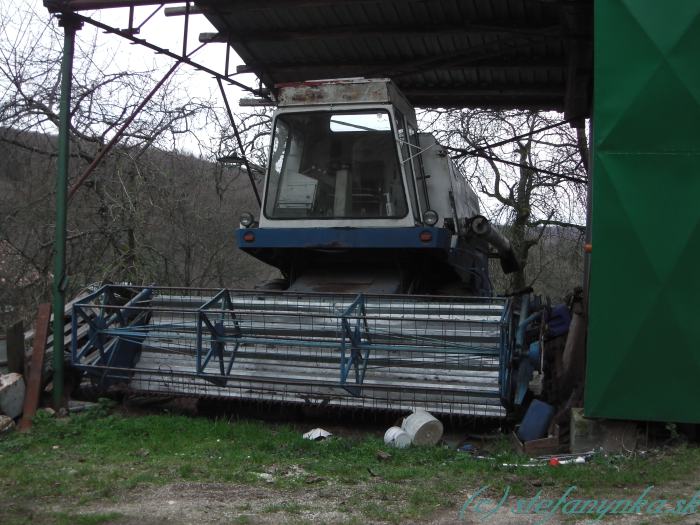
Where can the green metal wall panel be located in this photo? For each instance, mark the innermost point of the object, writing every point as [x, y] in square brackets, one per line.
[644, 326]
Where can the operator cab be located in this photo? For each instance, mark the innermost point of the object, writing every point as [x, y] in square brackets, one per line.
[339, 157]
[348, 205]
[335, 165]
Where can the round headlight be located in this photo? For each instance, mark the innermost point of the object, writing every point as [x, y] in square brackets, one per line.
[430, 218]
[247, 219]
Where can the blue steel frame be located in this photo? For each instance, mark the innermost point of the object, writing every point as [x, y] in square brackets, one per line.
[218, 338]
[506, 352]
[113, 328]
[357, 334]
[355, 338]
[329, 238]
[107, 322]
[517, 358]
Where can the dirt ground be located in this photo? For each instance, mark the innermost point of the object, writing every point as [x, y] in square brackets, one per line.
[207, 503]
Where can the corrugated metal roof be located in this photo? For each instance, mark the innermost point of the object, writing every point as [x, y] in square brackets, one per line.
[497, 53]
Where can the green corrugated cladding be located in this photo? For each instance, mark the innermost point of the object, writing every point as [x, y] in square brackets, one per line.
[644, 331]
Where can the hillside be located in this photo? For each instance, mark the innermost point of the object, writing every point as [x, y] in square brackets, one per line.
[155, 217]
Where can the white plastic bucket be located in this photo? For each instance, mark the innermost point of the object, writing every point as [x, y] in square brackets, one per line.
[397, 437]
[423, 428]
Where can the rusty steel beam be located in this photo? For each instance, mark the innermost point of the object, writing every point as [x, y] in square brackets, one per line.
[91, 5]
[33, 391]
[96, 161]
[162, 51]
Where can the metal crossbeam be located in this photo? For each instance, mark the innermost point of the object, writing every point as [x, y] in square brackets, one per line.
[358, 335]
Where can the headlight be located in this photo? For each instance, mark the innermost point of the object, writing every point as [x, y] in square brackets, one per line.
[247, 219]
[430, 218]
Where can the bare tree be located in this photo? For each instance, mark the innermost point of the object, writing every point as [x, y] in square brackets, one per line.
[145, 216]
[530, 173]
[254, 128]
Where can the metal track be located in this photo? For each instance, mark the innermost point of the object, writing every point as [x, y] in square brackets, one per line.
[381, 352]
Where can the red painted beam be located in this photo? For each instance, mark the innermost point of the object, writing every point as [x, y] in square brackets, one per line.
[33, 390]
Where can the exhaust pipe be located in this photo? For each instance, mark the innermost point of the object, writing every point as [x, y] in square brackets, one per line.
[482, 228]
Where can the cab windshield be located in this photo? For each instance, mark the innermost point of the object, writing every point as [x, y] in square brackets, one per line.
[334, 165]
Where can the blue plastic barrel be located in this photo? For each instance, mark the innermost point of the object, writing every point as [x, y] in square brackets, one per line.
[536, 421]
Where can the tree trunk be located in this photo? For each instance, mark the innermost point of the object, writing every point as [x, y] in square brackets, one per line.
[522, 216]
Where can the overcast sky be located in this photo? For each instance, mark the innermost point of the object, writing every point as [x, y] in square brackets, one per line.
[117, 54]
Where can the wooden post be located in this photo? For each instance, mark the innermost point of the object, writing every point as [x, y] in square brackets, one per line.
[15, 348]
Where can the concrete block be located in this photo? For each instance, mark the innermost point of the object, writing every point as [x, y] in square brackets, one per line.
[610, 435]
[11, 394]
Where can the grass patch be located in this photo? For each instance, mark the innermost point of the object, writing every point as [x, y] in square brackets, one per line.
[288, 508]
[100, 456]
[86, 519]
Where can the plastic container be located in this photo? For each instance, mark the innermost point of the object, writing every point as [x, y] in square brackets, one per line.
[397, 437]
[535, 424]
[423, 428]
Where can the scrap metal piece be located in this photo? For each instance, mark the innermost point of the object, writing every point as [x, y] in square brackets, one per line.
[317, 434]
[33, 391]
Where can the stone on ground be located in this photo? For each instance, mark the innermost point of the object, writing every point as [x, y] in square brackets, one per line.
[11, 394]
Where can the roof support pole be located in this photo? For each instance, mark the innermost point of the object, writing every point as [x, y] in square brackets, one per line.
[70, 26]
